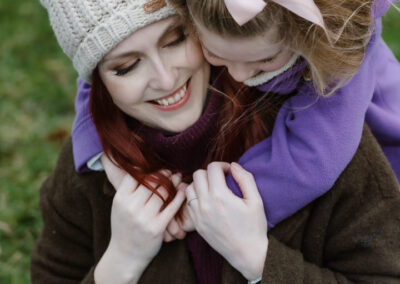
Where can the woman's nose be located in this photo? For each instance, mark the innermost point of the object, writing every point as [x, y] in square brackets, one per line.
[240, 71]
[164, 77]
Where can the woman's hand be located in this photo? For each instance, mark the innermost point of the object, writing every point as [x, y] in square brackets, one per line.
[137, 226]
[235, 227]
[113, 173]
[178, 227]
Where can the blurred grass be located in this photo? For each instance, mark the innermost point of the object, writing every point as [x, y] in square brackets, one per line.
[37, 89]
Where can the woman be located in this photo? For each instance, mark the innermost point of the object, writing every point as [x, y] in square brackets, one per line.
[92, 233]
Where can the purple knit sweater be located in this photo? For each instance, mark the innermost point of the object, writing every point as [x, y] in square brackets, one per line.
[186, 152]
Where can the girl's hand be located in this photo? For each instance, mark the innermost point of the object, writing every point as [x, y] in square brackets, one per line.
[235, 227]
[137, 226]
[178, 227]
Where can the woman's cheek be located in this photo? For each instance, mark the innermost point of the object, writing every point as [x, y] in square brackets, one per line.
[194, 54]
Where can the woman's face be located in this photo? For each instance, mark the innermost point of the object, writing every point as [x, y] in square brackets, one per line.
[158, 76]
[244, 58]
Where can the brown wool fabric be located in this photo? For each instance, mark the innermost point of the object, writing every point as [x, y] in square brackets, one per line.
[349, 235]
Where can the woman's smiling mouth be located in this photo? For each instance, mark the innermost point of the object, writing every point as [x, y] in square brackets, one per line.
[175, 100]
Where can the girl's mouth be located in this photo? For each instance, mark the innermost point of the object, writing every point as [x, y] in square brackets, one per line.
[175, 100]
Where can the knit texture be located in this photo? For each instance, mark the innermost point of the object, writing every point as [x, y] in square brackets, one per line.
[88, 29]
[185, 152]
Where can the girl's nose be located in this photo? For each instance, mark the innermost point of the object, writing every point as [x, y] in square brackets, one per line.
[240, 71]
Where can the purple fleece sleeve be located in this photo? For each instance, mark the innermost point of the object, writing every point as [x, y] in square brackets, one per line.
[85, 141]
[313, 140]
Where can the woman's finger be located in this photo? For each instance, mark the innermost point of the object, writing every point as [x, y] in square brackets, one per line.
[113, 172]
[141, 195]
[127, 185]
[175, 230]
[216, 177]
[176, 179]
[200, 184]
[167, 237]
[172, 208]
[192, 200]
[246, 182]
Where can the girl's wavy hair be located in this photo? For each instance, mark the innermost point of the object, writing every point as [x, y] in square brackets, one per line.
[241, 125]
[331, 62]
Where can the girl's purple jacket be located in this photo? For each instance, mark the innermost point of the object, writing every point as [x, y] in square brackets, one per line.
[314, 138]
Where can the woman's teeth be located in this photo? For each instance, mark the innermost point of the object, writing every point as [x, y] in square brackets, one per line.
[173, 99]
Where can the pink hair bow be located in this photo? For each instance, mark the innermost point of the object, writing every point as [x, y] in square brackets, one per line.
[243, 11]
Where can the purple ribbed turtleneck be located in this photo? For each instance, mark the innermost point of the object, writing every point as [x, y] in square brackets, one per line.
[186, 152]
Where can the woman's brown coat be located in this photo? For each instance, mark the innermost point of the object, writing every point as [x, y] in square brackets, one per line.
[351, 234]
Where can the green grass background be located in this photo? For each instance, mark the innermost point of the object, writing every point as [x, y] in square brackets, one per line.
[37, 89]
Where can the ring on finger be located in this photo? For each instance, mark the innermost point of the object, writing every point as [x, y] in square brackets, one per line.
[191, 199]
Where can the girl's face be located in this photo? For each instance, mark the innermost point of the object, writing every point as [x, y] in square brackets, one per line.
[158, 76]
[245, 58]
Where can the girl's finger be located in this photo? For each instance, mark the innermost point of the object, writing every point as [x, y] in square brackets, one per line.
[216, 176]
[246, 182]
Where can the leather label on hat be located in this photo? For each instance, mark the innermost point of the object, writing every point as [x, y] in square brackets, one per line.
[154, 5]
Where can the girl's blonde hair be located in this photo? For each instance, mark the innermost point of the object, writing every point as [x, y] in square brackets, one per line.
[331, 62]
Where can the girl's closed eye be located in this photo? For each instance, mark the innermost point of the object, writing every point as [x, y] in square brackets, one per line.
[269, 60]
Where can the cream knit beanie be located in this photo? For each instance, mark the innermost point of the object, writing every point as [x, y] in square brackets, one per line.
[88, 29]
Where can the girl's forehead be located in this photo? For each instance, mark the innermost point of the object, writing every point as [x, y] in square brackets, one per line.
[239, 49]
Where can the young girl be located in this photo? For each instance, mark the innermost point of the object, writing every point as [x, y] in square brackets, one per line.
[300, 50]
[136, 54]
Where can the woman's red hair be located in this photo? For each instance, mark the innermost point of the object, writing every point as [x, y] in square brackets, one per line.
[240, 123]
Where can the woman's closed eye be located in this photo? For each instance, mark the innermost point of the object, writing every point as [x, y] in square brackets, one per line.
[176, 37]
[120, 71]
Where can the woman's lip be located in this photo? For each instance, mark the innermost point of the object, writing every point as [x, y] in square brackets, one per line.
[179, 103]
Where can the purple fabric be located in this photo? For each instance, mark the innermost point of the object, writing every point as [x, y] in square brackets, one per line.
[313, 140]
[86, 142]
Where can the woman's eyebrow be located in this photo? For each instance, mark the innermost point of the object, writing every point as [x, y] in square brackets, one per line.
[177, 23]
[166, 31]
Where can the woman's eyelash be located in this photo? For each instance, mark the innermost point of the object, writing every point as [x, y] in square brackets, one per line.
[177, 41]
[121, 72]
